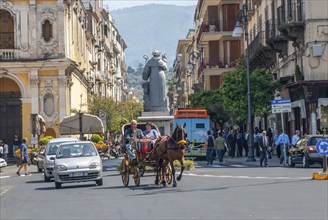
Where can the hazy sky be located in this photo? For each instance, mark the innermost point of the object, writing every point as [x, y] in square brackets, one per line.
[117, 4]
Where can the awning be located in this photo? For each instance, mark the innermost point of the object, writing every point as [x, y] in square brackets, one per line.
[81, 123]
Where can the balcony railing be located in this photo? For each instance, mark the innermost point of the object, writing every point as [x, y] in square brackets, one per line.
[221, 62]
[7, 54]
[271, 30]
[218, 26]
[257, 42]
[290, 13]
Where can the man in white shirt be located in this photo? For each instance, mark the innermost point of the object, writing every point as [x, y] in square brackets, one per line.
[296, 137]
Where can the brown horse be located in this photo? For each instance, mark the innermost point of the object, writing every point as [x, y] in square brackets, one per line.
[169, 149]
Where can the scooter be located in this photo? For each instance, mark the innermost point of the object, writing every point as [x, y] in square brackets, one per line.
[115, 150]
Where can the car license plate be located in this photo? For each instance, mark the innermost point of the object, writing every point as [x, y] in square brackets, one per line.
[76, 174]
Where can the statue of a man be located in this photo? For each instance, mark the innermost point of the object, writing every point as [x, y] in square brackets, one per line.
[155, 97]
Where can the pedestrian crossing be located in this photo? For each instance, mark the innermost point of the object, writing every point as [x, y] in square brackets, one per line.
[221, 166]
[246, 177]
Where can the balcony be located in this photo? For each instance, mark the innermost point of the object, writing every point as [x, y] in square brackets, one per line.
[261, 55]
[257, 2]
[7, 54]
[291, 22]
[214, 31]
[275, 39]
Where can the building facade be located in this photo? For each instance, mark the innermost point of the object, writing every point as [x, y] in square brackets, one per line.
[289, 39]
[53, 56]
[212, 50]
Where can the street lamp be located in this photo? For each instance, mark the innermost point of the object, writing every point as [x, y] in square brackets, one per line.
[237, 32]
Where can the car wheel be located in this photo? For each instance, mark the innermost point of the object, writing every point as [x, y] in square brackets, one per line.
[305, 162]
[289, 161]
[58, 185]
[46, 179]
[99, 182]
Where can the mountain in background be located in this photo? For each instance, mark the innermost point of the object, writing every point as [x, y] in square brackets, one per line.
[154, 26]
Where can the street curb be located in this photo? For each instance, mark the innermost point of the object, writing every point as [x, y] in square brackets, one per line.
[320, 176]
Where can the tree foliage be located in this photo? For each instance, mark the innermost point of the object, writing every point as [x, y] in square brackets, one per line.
[212, 102]
[117, 113]
[234, 92]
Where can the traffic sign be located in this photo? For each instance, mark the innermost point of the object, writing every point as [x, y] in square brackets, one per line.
[281, 106]
[322, 147]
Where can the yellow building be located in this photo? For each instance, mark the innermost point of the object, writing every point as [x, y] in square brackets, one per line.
[49, 53]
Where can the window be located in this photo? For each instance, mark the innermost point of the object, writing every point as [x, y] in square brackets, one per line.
[6, 30]
[48, 104]
[200, 125]
[47, 30]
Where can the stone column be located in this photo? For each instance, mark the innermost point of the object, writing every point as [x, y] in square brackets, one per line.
[62, 82]
[34, 85]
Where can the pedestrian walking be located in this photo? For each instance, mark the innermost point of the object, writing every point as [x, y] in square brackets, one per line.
[296, 137]
[6, 151]
[23, 157]
[221, 146]
[209, 141]
[240, 144]
[16, 144]
[263, 148]
[256, 139]
[231, 139]
[283, 143]
[269, 135]
[1, 149]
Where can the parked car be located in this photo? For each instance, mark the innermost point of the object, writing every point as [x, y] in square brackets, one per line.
[304, 152]
[43, 161]
[77, 162]
[3, 163]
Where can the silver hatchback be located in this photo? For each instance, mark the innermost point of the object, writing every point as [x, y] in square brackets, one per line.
[44, 154]
[77, 162]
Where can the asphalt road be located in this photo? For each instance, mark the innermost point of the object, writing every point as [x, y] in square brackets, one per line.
[230, 191]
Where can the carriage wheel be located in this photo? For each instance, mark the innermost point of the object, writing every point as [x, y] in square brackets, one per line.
[125, 174]
[136, 176]
[168, 174]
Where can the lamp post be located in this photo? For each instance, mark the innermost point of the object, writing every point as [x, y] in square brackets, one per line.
[237, 32]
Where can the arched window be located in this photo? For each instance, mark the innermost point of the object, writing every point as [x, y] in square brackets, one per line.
[6, 30]
[47, 30]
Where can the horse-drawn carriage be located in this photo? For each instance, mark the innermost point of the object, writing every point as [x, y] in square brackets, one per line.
[145, 156]
[159, 155]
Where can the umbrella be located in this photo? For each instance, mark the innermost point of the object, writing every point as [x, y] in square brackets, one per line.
[81, 123]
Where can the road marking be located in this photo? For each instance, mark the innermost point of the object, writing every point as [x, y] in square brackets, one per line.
[111, 168]
[3, 177]
[237, 165]
[247, 177]
[5, 189]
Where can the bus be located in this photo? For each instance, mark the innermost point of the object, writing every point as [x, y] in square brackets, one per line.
[197, 124]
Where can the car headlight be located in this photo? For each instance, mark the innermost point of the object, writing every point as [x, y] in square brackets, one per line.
[50, 162]
[94, 165]
[61, 168]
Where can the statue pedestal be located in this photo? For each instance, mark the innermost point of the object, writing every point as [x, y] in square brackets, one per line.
[162, 120]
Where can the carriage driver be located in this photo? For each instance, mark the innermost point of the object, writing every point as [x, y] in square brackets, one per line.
[131, 135]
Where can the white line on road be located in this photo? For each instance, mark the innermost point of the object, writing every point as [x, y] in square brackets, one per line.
[3, 177]
[248, 177]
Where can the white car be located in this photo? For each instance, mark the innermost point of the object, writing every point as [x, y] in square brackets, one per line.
[44, 154]
[77, 162]
[3, 163]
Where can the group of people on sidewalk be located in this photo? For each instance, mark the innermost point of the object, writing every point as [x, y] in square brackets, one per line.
[234, 143]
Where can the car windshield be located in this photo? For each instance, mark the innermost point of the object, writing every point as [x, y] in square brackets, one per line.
[52, 148]
[76, 150]
[314, 140]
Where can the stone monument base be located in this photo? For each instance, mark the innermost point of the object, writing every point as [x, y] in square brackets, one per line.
[162, 120]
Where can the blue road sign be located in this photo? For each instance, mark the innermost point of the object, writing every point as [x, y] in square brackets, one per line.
[280, 101]
[322, 147]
